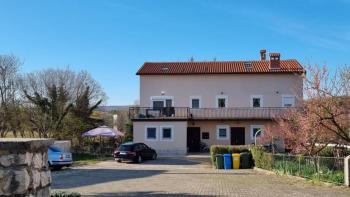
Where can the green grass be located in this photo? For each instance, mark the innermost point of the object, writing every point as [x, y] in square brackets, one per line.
[87, 159]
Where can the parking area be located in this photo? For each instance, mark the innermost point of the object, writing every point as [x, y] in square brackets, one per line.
[188, 176]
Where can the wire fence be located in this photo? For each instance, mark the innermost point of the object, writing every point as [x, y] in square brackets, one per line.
[327, 169]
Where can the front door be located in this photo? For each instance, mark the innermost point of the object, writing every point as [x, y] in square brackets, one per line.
[237, 135]
[193, 139]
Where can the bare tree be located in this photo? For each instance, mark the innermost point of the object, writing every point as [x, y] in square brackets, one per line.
[52, 93]
[9, 100]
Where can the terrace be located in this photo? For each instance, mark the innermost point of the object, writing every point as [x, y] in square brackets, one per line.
[185, 113]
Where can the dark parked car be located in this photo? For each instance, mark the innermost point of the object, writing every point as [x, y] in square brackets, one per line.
[135, 152]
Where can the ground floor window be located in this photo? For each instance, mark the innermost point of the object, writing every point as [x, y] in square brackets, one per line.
[205, 135]
[255, 129]
[166, 133]
[222, 132]
[151, 133]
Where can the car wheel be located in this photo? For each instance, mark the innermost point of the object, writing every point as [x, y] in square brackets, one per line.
[154, 156]
[139, 159]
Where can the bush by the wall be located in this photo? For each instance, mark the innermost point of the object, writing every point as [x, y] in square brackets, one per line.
[261, 158]
[222, 149]
[56, 193]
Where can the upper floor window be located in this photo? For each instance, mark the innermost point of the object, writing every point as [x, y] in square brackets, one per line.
[221, 101]
[161, 101]
[256, 101]
[195, 102]
[288, 101]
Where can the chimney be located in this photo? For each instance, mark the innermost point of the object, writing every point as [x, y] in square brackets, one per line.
[263, 54]
[275, 61]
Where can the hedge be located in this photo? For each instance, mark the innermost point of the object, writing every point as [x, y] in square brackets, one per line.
[222, 149]
[261, 159]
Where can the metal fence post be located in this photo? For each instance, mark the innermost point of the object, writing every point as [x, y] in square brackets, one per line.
[299, 169]
[318, 167]
[284, 165]
[347, 171]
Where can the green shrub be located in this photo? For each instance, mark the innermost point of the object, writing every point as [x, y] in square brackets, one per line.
[261, 159]
[222, 149]
[56, 193]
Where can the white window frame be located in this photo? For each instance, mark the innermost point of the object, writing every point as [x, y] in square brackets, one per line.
[161, 133]
[221, 97]
[161, 98]
[257, 96]
[288, 95]
[218, 127]
[151, 126]
[196, 97]
[252, 127]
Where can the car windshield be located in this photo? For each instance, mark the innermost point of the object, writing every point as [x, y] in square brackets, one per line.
[54, 149]
[125, 148]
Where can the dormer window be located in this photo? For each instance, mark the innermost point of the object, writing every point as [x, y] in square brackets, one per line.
[248, 65]
[165, 68]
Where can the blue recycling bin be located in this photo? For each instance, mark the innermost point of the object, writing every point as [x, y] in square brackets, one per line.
[227, 161]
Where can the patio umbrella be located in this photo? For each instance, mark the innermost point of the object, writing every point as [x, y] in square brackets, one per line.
[103, 131]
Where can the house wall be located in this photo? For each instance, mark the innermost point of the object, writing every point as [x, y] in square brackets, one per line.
[178, 146]
[210, 126]
[238, 87]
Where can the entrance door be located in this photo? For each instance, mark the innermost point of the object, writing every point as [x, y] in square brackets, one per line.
[237, 135]
[193, 139]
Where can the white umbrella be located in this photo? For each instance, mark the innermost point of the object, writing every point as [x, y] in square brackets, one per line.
[103, 131]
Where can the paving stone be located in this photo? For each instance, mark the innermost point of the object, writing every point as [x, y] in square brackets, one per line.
[182, 177]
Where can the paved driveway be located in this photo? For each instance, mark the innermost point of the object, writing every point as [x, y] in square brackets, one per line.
[182, 177]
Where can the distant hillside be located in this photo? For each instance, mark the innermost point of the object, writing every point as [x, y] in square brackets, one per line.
[111, 108]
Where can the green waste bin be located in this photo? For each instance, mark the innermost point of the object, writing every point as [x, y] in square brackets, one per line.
[219, 161]
[245, 160]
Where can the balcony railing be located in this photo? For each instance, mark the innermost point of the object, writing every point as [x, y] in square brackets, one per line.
[238, 113]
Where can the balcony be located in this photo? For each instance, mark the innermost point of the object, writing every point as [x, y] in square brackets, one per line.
[185, 113]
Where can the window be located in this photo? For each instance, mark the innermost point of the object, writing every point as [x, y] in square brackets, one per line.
[195, 102]
[288, 100]
[256, 101]
[254, 129]
[162, 101]
[158, 104]
[205, 135]
[222, 132]
[221, 101]
[151, 133]
[166, 133]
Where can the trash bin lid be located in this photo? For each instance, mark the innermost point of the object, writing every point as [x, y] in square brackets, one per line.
[227, 155]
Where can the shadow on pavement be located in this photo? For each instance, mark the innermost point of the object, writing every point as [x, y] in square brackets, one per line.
[171, 161]
[149, 194]
[84, 177]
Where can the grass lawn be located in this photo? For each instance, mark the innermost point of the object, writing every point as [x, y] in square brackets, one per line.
[86, 159]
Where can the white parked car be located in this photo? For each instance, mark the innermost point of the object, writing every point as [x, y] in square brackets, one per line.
[58, 158]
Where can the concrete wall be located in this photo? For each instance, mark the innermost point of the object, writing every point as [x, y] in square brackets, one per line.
[210, 126]
[178, 146]
[238, 88]
[24, 169]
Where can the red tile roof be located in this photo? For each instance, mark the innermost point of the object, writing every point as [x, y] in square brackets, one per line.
[218, 67]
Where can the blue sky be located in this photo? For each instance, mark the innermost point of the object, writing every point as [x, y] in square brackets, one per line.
[112, 39]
